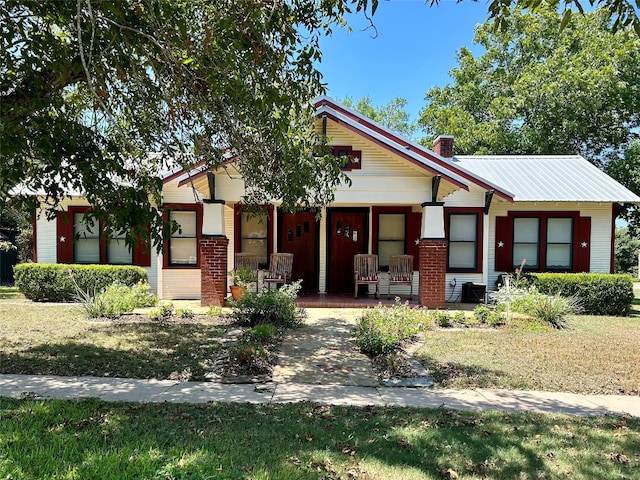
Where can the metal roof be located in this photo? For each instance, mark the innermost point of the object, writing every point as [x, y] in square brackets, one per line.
[548, 178]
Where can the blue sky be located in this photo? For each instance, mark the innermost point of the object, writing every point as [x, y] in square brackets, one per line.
[415, 48]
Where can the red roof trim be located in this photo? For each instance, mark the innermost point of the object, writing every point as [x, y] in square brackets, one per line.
[181, 172]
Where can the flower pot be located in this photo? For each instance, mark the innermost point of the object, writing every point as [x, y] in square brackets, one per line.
[237, 291]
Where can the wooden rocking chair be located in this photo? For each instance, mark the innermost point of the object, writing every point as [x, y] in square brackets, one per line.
[280, 266]
[365, 272]
[248, 260]
[401, 272]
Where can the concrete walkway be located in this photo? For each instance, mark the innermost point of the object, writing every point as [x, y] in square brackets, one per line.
[317, 363]
[149, 391]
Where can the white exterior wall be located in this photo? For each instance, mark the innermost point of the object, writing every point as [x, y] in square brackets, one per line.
[180, 283]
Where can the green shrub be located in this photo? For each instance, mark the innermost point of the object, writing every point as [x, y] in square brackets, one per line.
[214, 311]
[481, 313]
[270, 306]
[554, 309]
[248, 353]
[442, 319]
[55, 282]
[460, 317]
[261, 333]
[381, 329]
[599, 293]
[117, 299]
[495, 318]
[164, 312]
[185, 313]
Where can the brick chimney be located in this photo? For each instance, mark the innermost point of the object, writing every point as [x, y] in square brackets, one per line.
[443, 146]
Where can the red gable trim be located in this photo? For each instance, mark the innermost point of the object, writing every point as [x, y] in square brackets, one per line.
[181, 172]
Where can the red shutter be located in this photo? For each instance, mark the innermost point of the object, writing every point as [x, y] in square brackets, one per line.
[582, 244]
[414, 232]
[504, 244]
[64, 237]
[141, 252]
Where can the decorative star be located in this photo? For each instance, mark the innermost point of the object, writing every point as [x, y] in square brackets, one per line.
[417, 241]
[585, 244]
[500, 244]
[356, 160]
[63, 239]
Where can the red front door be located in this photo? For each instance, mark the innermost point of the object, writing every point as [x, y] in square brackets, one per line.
[347, 236]
[299, 235]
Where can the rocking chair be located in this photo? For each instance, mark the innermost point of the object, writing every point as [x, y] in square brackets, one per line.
[401, 272]
[280, 266]
[365, 272]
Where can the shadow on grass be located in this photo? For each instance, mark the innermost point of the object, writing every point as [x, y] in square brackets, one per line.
[131, 350]
[305, 441]
[457, 375]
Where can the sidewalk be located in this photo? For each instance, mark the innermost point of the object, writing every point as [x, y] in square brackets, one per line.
[152, 391]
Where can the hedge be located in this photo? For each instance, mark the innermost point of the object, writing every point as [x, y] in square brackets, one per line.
[600, 293]
[53, 282]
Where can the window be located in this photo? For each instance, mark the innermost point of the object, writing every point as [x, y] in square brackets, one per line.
[463, 242]
[86, 246]
[183, 244]
[391, 236]
[559, 241]
[254, 236]
[118, 252]
[526, 241]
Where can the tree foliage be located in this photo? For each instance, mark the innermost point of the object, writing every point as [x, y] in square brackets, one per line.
[627, 247]
[89, 87]
[392, 115]
[539, 90]
[626, 170]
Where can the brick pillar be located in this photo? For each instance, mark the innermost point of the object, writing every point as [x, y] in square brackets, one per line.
[213, 269]
[433, 268]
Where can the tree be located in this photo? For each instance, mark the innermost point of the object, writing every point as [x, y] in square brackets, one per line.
[626, 170]
[393, 115]
[626, 252]
[539, 90]
[89, 87]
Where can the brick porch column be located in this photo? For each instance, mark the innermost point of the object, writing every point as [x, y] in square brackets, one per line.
[213, 254]
[433, 266]
[432, 256]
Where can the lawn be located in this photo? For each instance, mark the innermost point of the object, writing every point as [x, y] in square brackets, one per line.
[53, 339]
[92, 439]
[596, 355]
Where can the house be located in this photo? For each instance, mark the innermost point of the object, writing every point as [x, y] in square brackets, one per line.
[463, 218]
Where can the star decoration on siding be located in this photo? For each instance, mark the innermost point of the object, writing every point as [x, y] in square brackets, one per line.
[417, 241]
[500, 244]
[63, 239]
[585, 244]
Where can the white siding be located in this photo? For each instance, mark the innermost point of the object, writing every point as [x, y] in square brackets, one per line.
[46, 239]
[171, 193]
[181, 283]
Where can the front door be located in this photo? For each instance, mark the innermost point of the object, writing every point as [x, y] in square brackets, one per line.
[299, 235]
[347, 236]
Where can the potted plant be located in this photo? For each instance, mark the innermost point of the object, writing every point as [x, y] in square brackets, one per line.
[241, 277]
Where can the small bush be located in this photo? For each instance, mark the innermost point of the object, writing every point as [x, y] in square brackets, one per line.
[214, 311]
[185, 313]
[381, 329]
[599, 293]
[554, 309]
[460, 317]
[481, 313]
[248, 353]
[496, 318]
[277, 307]
[442, 319]
[55, 282]
[261, 333]
[164, 312]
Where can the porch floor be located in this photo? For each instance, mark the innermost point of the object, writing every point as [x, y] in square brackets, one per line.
[332, 300]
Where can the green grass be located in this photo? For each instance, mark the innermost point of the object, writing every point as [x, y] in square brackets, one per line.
[10, 293]
[93, 439]
[596, 355]
[58, 340]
